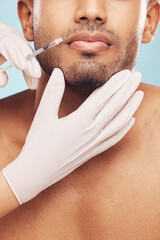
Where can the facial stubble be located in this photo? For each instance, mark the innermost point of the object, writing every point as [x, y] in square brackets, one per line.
[87, 72]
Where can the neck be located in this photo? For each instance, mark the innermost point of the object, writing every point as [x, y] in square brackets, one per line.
[73, 96]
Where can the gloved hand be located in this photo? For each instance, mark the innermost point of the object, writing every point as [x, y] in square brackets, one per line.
[14, 48]
[55, 147]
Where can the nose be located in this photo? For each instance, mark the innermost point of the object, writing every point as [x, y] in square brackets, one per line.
[91, 11]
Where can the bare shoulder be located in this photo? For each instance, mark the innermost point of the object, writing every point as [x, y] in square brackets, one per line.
[15, 109]
[15, 102]
[151, 101]
[15, 112]
[148, 119]
[151, 92]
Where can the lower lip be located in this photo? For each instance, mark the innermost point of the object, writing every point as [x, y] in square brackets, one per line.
[89, 46]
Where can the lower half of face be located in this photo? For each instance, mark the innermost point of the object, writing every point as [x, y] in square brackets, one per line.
[88, 68]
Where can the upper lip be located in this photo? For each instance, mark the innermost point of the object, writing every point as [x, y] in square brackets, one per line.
[96, 37]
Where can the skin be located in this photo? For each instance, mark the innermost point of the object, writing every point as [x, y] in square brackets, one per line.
[89, 70]
[84, 73]
[115, 195]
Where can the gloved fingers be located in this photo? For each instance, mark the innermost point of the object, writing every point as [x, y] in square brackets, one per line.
[117, 137]
[99, 134]
[21, 64]
[49, 104]
[100, 96]
[33, 68]
[30, 78]
[14, 48]
[17, 55]
[24, 50]
[3, 78]
[52, 95]
[9, 32]
[98, 148]
[118, 100]
[31, 83]
[10, 53]
[6, 28]
[122, 118]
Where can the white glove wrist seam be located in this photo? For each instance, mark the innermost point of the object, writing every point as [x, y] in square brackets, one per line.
[3, 170]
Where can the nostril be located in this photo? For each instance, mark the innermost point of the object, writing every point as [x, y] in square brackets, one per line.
[83, 18]
[99, 19]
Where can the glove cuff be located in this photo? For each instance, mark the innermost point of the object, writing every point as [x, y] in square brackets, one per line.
[9, 183]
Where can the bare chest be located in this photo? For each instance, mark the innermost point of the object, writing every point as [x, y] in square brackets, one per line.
[115, 195]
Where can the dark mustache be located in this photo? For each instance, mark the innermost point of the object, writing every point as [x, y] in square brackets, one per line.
[86, 27]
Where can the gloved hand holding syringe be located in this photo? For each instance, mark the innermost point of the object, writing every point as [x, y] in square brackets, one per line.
[39, 51]
[15, 49]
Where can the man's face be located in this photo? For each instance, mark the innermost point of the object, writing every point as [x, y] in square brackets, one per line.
[84, 64]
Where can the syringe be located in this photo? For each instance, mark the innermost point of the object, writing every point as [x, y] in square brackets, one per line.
[43, 49]
[37, 52]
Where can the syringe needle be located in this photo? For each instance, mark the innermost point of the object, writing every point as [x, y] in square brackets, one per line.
[37, 52]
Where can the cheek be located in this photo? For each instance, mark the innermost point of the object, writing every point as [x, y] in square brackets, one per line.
[124, 17]
[37, 15]
[59, 13]
[52, 26]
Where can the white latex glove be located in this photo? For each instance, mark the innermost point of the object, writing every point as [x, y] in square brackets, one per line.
[14, 48]
[55, 147]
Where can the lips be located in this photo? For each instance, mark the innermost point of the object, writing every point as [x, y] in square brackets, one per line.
[89, 42]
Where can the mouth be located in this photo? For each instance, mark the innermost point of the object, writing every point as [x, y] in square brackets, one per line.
[89, 42]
